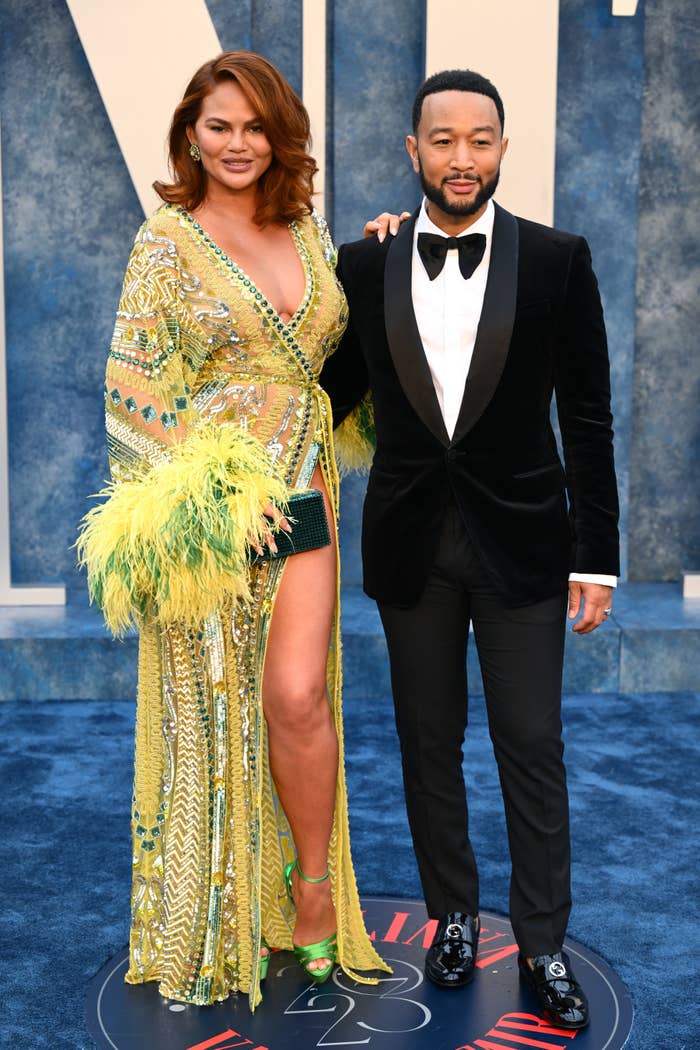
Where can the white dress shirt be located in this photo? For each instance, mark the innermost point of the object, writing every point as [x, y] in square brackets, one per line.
[448, 310]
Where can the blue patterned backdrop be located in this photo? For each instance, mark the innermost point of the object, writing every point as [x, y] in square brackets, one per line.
[626, 178]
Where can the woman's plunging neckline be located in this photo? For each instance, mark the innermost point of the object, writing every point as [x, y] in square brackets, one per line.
[237, 273]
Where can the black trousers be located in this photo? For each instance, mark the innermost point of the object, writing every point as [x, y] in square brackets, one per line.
[521, 653]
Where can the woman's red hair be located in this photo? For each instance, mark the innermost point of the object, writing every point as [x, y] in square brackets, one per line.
[285, 189]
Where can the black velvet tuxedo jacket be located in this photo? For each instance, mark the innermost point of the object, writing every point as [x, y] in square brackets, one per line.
[541, 332]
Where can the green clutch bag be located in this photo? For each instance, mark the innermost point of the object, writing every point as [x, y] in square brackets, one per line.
[307, 515]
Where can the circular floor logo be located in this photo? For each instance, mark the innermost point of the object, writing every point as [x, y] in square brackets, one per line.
[404, 1011]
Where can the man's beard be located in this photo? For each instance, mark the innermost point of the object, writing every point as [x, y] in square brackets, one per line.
[436, 194]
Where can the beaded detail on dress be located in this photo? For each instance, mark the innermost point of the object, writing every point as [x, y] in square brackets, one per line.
[196, 340]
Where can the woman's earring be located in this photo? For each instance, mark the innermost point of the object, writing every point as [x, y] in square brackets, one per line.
[194, 152]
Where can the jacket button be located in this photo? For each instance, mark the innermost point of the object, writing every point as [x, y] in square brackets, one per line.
[451, 455]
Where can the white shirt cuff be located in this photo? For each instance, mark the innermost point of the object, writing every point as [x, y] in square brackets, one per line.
[593, 577]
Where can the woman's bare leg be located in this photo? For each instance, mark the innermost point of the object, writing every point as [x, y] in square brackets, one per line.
[302, 739]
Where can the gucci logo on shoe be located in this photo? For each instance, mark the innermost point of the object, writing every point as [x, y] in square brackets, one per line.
[453, 931]
[557, 969]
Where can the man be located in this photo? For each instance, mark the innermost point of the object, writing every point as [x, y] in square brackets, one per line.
[462, 343]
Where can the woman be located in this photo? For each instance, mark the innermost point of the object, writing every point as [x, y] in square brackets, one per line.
[214, 417]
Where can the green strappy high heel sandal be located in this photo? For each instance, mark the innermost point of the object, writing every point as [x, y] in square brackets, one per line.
[264, 959]
[308, 953]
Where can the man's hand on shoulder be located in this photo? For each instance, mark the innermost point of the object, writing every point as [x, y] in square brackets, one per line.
[385, 223]
[595, 598]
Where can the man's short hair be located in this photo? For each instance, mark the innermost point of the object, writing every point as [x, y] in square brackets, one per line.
[457, 80]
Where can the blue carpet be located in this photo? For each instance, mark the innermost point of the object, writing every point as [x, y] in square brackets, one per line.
[633, 765]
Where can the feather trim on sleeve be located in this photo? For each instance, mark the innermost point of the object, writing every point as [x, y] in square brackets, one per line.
[355, 439]
[168, 545]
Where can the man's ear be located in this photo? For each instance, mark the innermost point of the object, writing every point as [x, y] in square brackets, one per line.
[412, 147]
[504, 147]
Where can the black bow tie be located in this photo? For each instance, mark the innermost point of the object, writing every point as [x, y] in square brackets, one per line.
[433, 248]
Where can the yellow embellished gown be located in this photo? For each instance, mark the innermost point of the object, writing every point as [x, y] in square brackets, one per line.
[199, 351]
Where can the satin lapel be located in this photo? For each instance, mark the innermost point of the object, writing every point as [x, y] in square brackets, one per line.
[495, 325]
[402, 333]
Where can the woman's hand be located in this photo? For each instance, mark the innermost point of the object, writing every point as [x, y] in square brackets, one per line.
[279, 521]
[385, 223]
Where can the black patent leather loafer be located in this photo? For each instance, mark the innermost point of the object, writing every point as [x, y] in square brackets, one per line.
[561, 997]
[450, 959]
